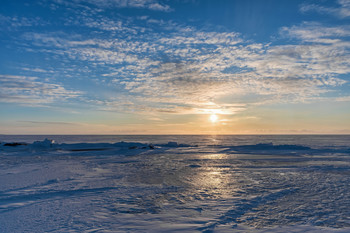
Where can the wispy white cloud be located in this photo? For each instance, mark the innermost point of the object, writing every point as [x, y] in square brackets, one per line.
[155, 5]
[156, 109]
[343, 99]
[317, 33]
[48, 123]
[342, 11]
[32, 92]
[184, 69]
[148, 4]
[19, 22]
[37, 70]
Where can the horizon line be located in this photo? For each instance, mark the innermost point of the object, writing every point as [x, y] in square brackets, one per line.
[272, 134]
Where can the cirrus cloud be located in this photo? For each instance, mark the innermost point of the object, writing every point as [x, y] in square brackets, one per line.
[342, 11]
[174, 68]
[32, 92]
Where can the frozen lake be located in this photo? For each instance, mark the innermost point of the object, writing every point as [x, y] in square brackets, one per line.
[199, 184]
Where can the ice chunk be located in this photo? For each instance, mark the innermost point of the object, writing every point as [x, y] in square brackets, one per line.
[47, 143]
[270, 146]
[15, 144]
[174, 144]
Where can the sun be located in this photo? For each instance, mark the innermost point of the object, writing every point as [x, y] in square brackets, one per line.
[213, 118]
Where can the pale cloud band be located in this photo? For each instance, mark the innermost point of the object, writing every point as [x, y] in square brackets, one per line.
[172, 68]
[31, 92]
[343, 11]
[147, 4]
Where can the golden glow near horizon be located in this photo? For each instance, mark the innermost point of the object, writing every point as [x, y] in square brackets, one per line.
[213, 118]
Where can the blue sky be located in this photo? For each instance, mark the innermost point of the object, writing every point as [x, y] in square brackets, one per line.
[164, 67]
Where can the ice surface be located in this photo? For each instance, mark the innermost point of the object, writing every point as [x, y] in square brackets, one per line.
[47, 144]
[51, 144]
[47, 186]
[175, 144]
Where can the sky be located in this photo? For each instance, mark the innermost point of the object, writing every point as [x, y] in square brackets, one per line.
[174, 67]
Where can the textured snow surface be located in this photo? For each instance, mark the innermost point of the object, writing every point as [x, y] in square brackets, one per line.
[172, 187]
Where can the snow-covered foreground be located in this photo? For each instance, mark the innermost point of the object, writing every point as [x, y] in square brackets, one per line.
[137, 187]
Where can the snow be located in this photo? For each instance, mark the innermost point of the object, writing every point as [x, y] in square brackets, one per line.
[47, 143]
[170, 187]
[175, 144]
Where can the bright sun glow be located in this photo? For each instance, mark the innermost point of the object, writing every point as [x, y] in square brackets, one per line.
[213, 118]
